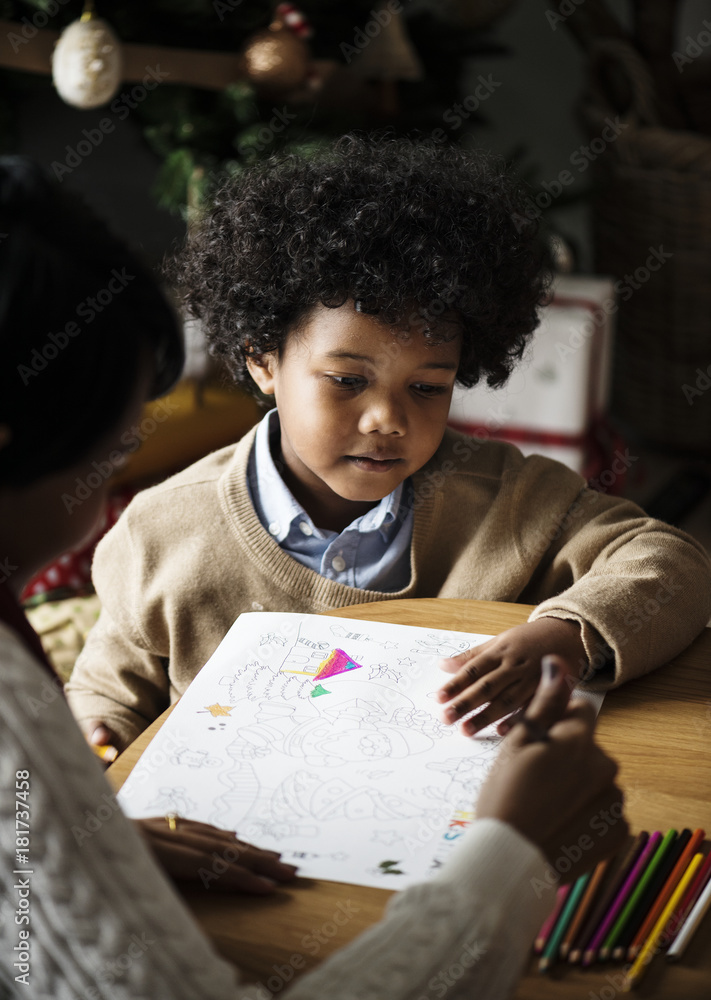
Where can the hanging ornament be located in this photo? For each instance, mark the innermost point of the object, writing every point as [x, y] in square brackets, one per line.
[278, 58]
[86, 63]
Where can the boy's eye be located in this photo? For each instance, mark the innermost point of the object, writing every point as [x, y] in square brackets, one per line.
[425, 389]
[347, 381]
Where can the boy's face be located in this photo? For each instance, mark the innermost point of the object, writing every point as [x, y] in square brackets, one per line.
[362, 406]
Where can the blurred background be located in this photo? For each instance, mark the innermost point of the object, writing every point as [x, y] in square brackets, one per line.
[601, 106]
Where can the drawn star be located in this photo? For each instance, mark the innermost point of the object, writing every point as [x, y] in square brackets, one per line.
[405, 661]
[389, 645]
[216, 709]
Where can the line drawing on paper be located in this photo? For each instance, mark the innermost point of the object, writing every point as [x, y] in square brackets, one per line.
[194, 758]
[435, 645]
[173, 800]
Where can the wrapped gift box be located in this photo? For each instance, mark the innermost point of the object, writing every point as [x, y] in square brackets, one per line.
[556, 400]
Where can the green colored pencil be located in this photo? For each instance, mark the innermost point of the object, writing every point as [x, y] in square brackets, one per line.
[648, 874]
[550, 952]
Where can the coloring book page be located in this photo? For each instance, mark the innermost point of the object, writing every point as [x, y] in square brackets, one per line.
[320, 737]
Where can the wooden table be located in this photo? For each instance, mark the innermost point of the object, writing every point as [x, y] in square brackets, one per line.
[659, 730]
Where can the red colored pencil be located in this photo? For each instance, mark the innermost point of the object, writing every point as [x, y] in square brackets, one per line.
[548, 925]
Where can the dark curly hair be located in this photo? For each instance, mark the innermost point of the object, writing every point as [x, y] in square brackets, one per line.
[405, 228]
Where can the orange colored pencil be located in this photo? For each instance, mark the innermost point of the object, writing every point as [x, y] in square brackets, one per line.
[667, 889]
[583, 908]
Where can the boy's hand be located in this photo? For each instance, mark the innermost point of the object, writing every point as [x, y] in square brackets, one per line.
[505, 671]
[199, 852]
[551, 779]
[98, 734]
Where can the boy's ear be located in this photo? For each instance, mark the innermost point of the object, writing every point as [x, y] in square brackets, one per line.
[262, 371]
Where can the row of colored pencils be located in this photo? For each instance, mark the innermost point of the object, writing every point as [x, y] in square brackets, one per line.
[655, 897]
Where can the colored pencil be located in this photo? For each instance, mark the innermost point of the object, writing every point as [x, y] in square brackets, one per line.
[689, 901]
[105, 751]
[548, 925]
[586, 904]
[650, 946]
[674, 847]
[692, 922]
[635, 874]
[637, 906]
[667, 889]
[605, 901]
[552, 948]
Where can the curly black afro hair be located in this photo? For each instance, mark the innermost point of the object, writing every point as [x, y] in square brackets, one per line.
[405, 228]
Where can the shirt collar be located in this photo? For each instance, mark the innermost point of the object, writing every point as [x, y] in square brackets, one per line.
[281, 510]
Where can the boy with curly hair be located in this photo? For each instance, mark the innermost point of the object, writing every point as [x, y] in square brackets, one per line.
[356, 288]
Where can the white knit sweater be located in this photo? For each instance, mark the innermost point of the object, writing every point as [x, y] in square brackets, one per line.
[105, 922]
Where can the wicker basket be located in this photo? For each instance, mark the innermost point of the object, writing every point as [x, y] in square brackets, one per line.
[652, 190]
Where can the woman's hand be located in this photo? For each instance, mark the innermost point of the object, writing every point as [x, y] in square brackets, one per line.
[553, 783]
[198, 852]
[505, 671]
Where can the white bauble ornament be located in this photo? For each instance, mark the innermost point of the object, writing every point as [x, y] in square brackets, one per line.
[86, 64]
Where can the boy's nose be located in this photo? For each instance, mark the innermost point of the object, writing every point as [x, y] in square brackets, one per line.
[384, 415]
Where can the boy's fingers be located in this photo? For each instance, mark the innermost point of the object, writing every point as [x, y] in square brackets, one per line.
[470, 676]
[510, 698]
[99, 733]
[451, 664]
[108, 744]
[475, 695]
[550, 701]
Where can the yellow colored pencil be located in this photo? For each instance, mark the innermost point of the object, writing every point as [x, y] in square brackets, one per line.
[649, 949]
[105, 751]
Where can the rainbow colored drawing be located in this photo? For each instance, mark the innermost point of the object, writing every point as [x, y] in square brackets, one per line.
[337, 662]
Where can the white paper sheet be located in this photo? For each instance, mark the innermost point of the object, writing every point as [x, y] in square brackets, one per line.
[352, 777]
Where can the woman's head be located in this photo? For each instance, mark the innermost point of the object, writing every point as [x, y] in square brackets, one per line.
[82, 321]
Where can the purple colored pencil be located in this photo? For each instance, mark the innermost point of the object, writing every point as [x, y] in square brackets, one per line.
[629, 883]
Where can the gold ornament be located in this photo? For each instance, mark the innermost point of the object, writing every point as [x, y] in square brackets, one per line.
[86, 63]
[276, 60]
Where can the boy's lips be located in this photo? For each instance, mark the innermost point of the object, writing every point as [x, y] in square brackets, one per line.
[375, 462]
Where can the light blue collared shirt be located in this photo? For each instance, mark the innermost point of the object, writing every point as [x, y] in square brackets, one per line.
[372, 553]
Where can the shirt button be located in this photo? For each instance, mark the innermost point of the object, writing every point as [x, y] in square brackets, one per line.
[306, 528]
[338, 563]
[274, 528]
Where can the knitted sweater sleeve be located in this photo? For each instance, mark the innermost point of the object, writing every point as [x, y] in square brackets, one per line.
[639, 588]
[120, 677]
[105, 922]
